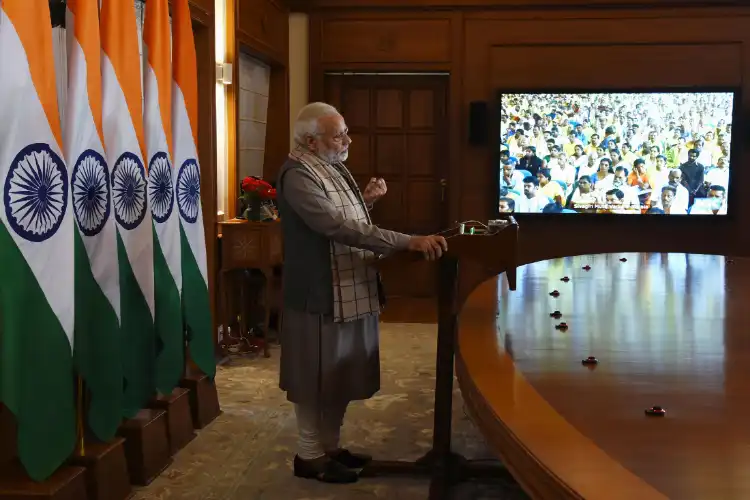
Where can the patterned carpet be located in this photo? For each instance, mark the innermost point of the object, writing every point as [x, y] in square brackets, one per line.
[246, 453]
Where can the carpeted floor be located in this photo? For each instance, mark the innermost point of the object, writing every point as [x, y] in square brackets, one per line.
[246, 453]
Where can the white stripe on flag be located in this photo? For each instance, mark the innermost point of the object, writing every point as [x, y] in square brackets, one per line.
[161, 179]
[187, 176]
[122, 144]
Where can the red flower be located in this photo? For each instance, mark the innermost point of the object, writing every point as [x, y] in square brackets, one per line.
[258, 187]
[254, 184]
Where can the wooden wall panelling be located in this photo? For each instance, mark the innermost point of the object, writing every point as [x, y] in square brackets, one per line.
[644, 49]
[262, 30]
[489, 49]
[263, 27]
[370, 42]
[385, 40]
[390, 46]
[277, 131]
[316, 71]
[369, 5]
[720, 65]
[456, 118]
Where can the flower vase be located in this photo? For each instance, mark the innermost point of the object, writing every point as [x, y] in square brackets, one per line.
[252, 208]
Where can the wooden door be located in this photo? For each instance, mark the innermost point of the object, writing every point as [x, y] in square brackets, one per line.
[399, 130]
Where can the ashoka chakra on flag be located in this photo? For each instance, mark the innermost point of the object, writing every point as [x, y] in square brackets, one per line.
[160, 190]
[129, 190]
[91, 192]
[36, 193]
[189, 190]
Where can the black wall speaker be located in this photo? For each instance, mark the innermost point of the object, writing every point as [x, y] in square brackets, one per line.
[57, 13]
[479, 126]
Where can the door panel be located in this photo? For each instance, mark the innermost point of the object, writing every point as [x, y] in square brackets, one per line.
[399, 130]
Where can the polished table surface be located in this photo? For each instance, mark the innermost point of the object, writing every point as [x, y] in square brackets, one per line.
[668, 330]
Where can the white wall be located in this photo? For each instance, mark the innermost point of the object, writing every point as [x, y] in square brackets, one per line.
[251, 124]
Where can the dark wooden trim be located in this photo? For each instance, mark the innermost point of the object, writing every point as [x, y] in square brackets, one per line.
[315, 70]
[202, 15]
[537, 5]
[384, 67]
[259, 49]
[456, 120]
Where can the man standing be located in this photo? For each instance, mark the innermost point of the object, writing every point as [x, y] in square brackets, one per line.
[530, 161]
[329, 332]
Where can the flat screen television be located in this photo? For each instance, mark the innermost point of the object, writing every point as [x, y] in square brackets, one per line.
[616, 152]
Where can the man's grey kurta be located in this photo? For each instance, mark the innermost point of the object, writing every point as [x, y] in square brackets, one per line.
[323, 361]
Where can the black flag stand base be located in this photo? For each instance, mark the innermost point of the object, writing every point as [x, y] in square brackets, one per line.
[445, 468]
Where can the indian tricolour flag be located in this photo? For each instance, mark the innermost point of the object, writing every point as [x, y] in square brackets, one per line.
[185, 128]
[122, 123]
[158, 125]
[36, 244]
[97, 284]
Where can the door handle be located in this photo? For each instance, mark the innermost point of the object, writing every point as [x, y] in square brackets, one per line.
[443, 185]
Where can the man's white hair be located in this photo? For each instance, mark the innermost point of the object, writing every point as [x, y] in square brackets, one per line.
[307, 122]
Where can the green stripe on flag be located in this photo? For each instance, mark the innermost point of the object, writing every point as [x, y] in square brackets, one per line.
[36, 367]
[197, 310]
[170, 360]
[138, 338]
[97, 348]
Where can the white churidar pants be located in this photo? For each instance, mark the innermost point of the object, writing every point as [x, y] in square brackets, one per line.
[319, 429]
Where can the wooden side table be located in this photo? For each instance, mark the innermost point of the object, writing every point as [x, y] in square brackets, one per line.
[249, 245]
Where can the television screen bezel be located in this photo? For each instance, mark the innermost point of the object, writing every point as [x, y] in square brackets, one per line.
[735, 150]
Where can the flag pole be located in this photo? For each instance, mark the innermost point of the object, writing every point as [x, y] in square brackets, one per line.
[185, 348]
[80, 424]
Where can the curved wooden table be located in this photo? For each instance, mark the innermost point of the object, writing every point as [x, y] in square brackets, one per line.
[667, 329]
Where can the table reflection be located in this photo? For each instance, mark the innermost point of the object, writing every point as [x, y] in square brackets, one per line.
[664, 310]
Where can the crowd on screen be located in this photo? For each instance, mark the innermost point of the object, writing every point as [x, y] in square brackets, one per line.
[654, 153]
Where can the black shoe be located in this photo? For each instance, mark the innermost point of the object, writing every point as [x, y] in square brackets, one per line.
[324, 470]
[349, 459]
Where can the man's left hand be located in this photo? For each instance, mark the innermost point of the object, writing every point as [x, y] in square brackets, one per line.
[375, 190]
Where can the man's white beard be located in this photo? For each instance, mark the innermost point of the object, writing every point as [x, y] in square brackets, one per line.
[332, 157]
